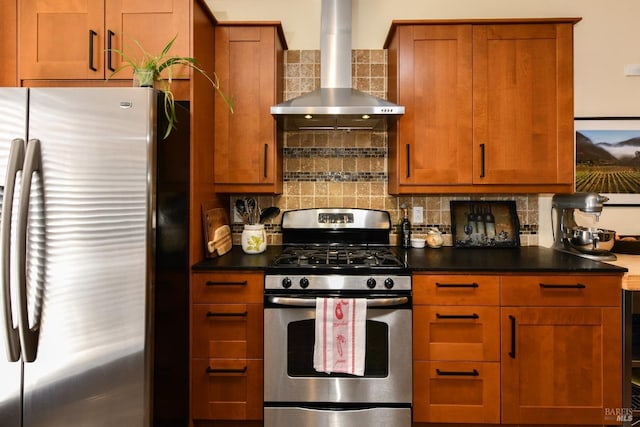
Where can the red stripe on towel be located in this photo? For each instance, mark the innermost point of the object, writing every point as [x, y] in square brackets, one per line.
[324, 337]
[353, 335]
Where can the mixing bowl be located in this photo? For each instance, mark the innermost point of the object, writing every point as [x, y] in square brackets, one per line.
[591, 240]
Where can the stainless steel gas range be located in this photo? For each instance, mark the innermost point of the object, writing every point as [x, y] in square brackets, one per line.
[337, 253]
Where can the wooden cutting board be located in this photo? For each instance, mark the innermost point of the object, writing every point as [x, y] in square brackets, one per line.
[213, 218]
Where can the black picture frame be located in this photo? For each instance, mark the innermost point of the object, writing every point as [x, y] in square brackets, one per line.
[468, 233]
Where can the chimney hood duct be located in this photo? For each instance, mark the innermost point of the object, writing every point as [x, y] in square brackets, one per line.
[336, 105]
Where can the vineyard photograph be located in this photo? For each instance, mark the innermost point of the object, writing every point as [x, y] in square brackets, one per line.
[608, 161]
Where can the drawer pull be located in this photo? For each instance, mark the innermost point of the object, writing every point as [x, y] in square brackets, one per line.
[457, 285]
[457, 316]
[215, 283]
[482, 154]
[562, 286]
[211, 370]
[473, 373]
[220, 314]
[512, 353]
[408, 160]
[92, 36]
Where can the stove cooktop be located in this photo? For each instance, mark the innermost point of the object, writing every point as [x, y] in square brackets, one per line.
[337, 256]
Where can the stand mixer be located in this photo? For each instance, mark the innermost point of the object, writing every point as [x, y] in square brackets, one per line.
[568, 236]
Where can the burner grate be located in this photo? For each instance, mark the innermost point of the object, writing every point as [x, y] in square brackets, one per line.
[346, 256]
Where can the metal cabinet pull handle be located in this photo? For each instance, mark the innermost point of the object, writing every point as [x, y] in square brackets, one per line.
[211, 370]
[214, 283]
[481, 160]
[562, 286]
[457, 316]
[266, 152]
[221, 314]
[311, 302]
[92, 35]
[14, 165]
[512, 353]
[473, 373]
[408, 160]
[457, 285]
[110, 35]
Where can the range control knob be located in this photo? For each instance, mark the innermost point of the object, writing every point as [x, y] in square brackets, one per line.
[304, 283]
[286, 283]
[371, 283]
[388, 283]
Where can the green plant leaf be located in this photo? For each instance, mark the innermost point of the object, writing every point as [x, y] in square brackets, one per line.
[165, 63]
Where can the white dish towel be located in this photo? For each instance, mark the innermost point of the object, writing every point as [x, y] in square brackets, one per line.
[340, 335]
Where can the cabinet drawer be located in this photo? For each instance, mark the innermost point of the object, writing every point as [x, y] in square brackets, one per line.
[226, 389]
[456, 333]
[230, 287]
[562, 290]
[227, 331]
[456, 392]
[456, 289]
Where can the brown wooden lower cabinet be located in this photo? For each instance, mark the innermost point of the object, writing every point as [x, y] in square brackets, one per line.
[559, 360]
[226, 347]
[562, 365]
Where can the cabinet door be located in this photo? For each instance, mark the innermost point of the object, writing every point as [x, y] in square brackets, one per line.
[152, 24]
[561, 365]
[523, 104]
[246, 143]
[61, 39]
[433, 144]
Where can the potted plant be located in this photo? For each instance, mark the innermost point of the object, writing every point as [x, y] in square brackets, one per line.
[147, 72]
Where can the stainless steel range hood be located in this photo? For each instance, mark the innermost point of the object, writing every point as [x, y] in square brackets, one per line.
[336, 105]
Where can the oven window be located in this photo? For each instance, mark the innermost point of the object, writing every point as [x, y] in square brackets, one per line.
[300, 342]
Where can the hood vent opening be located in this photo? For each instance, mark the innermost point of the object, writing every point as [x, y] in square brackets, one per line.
[336, 105]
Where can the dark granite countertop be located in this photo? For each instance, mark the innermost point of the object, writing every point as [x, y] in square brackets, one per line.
[532, 259]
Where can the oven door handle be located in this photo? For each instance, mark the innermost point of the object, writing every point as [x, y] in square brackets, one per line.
[311, 302]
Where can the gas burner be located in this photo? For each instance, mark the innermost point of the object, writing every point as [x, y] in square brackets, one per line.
[341, 256]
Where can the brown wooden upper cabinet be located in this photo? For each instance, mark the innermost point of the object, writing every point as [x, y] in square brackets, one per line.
[248, 146]
[489, 106]
[69, 40]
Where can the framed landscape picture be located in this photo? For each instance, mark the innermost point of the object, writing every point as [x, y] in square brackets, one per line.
[484, 224]
[608, 158]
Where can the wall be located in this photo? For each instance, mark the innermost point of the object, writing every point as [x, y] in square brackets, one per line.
[604, 44]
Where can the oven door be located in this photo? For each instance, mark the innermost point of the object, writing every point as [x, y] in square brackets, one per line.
[289, 334]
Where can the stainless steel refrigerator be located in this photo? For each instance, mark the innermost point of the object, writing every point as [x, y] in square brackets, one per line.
[93, 259]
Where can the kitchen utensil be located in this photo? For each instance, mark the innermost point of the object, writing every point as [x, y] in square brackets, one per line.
[241, 208]
[253, 211]
[268, 213]
[590, 240]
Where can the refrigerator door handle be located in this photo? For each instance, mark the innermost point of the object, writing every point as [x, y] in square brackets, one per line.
[28, 334]
[16, 160]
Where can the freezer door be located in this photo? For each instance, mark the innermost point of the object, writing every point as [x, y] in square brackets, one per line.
[88, 250]
[13, 107]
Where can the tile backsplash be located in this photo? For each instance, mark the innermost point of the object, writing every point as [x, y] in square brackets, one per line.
[349, 169]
